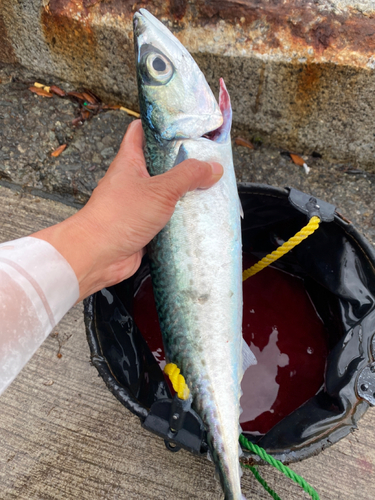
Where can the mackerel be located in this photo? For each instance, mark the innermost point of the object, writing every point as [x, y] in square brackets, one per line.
[196, 260]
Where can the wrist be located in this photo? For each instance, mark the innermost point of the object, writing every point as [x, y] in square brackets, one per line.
[74, 241]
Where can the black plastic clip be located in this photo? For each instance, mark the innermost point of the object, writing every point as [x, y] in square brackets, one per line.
[311, 206]
[366, 384]
[366, 378]
[179, 425]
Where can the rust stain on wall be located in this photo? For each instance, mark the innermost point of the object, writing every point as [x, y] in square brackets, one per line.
[63, 19]
[307, 85]
[67, 30]
[69, 25]
[296, 21]
[89, 3]
[292, 27]
[174, 9]
[308, 82]
[177, 8]
[257, 103]
[306, 25]
[7, 52]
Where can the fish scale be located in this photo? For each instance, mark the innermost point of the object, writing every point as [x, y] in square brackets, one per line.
[196, 260]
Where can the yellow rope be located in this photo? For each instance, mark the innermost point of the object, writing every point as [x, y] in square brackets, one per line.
[178, 381]
[283, 249]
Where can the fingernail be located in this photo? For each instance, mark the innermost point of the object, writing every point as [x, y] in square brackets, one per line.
[217, 168]
[133, 123]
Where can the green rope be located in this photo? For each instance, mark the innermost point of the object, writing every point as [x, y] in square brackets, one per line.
[259, 478]
[279, 466]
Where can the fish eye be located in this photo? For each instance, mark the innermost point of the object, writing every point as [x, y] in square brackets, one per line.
[159, 68]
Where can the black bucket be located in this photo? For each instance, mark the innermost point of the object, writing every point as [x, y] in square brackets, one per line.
[335, 267]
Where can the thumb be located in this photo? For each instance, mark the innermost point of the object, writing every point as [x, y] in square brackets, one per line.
[189, 175]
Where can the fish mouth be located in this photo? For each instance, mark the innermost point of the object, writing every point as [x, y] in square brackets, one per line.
[222, 133]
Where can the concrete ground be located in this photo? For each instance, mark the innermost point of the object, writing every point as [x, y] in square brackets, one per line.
[62, 434]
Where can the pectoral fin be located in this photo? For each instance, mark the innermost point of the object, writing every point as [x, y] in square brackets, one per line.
[248, 358]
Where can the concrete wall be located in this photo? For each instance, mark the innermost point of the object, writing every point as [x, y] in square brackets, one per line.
[301, 73]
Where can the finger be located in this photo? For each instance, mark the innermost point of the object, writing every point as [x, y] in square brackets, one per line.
[131, 149]
[190, 175]
[133, 137]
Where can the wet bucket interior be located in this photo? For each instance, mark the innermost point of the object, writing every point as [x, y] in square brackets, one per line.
[308, 319]
[291, 349]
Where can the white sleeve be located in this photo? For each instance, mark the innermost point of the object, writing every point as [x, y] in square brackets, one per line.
[37, 287]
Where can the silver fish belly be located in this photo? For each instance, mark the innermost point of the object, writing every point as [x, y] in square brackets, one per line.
[196, 260]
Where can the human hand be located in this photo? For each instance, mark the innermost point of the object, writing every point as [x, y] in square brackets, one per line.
[104, 242]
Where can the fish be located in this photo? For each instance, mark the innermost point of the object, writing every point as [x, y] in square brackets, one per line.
[196, 260]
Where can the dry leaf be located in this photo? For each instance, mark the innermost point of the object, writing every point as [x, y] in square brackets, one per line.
[90, 93]
[300, 162]
[89, 98]
[243, 142]
[130, 112]
[78, 95]
[85, 114]
[77, 121]
[59, 150]
[56, 90]
[297, 159]
[92, 106]
[40, 92]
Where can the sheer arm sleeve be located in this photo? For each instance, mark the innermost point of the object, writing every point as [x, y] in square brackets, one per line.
[37, 287]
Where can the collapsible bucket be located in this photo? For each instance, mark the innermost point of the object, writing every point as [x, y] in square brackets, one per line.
[309, 319]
